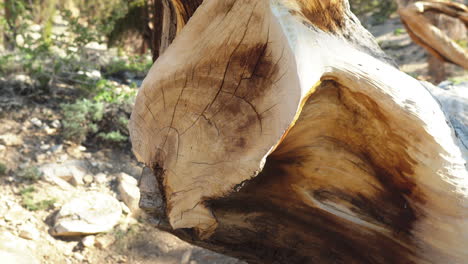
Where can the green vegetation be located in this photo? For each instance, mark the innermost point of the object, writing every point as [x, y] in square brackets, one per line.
[3, 169]
[30, 203]
[59, 56]
[80, 118]
[377, 10]
[399, 31]
[30, 173]
[462, 43]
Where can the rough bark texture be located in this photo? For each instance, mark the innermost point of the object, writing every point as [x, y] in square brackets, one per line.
[278, 132]
[167, 19]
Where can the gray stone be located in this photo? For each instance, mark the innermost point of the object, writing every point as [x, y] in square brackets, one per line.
[129, 192]
[100, 178]
[15, 250]
[89, 213]
[65, 171]
[11, 140]
[56, 124]
[35, 121]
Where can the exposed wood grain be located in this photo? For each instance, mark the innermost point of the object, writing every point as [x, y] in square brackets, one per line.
[276, 137]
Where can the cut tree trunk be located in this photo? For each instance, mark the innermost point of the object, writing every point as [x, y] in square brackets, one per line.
[278, 132]
[434, 25]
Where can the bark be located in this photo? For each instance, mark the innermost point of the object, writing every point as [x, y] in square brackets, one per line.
[167, 18]
[278, 132]
[433, 32]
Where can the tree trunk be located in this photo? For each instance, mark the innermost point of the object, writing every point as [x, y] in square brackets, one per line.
[9, 38]
[167, 18]
[434, 25]
[278, 132]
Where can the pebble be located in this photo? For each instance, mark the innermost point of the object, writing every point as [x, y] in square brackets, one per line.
[56, 124]
[78, 256]
[35, 121]
[88, 241]
[102, 242]
[45, 147]
[100, 178]
[87, 179]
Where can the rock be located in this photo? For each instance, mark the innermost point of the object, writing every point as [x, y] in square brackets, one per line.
[100, 178]
[78, 256]
[73, 169]
[16, 214]
[15, 250]
[11, 140]
[102, 242]
[87, 179]
[56, 148]
[125, 208]
[81, 148]
[56, 124]
[89, 213]
[35, 121]
[29, 232]
[35, 28]
[129, 192]
[2, 148]
[88, 241]
[45, 147]
[77, 180]
[96, 46]
[186, 257]
[49, 131]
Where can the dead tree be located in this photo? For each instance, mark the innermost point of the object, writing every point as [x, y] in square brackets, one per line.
[432, 31]
[278, 132]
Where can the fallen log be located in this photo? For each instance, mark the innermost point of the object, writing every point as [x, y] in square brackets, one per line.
[278, 132]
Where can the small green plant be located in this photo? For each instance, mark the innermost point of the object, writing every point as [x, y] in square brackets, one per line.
[458, 80]
[114, 136]
[462, 43]
[399, 31]
[80, 118]
[30, 173]
[3, 169]
[134, 64]
[107, 91]
[30, 203]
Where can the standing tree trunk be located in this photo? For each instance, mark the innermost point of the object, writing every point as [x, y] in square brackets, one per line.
[9, 37]
[277, 131]
[167, 18]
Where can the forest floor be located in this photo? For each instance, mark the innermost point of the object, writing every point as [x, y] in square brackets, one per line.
[30, 138]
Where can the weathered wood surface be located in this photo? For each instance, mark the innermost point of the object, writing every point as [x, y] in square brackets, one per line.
[278, 132]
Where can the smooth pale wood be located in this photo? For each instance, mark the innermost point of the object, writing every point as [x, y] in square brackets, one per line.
[430, 37]
[357, 163]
